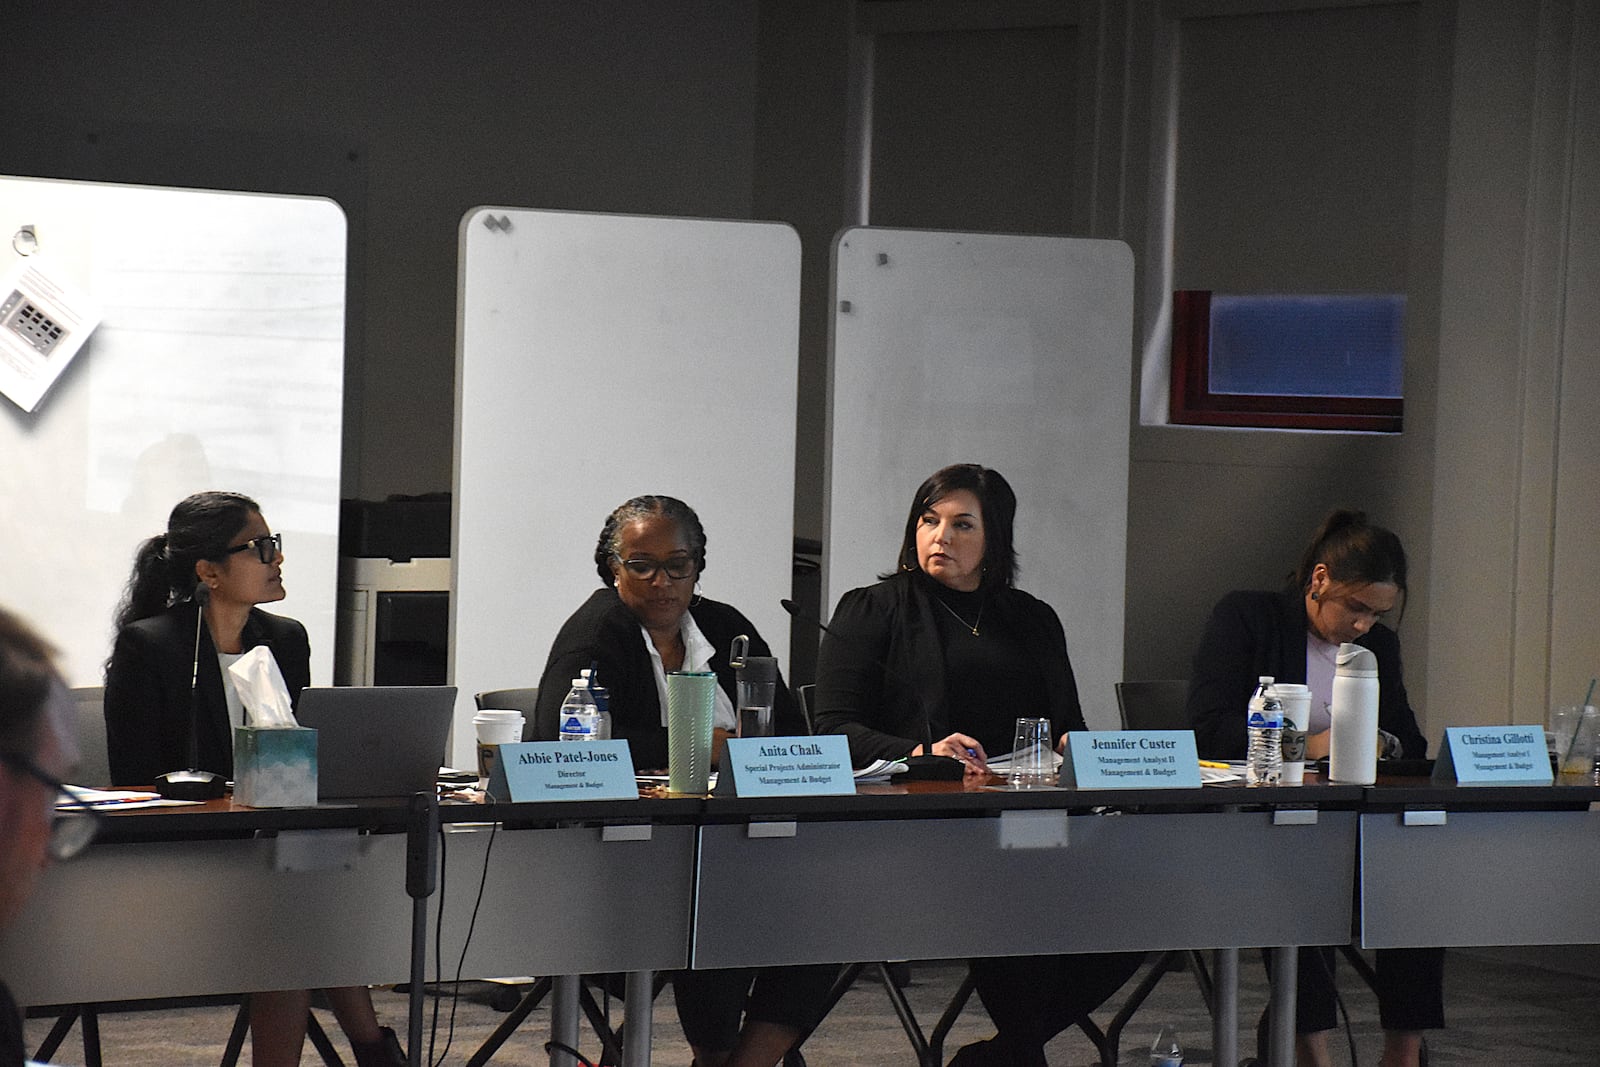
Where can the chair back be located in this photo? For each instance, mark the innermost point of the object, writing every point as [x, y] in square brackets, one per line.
[524, 700]
[94, 766]
[1154, 705]
[804, 695]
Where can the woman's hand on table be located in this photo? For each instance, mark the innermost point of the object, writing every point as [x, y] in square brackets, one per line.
[1317, 745]
[961, 747]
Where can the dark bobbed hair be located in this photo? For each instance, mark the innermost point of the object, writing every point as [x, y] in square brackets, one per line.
[27, 677]
[199, 527]
[998, 505]
[645, 507]
[1353, 550]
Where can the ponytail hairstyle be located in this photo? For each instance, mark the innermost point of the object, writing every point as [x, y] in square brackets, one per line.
[1354, 551]
[609, 547]
[199, 528]
[996, 500]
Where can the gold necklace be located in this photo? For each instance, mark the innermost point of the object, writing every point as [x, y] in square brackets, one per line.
[973, 625]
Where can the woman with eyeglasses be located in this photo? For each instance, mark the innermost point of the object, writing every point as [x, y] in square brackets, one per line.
[168, 669]
[947, 648]
[646, 621]
[1349, 578]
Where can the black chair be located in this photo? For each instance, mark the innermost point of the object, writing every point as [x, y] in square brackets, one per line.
[805, 696]
[523, 699]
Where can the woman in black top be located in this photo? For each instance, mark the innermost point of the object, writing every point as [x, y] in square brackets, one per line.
[1350, 576]
[940, 656]
[221, 541]
[647, 621]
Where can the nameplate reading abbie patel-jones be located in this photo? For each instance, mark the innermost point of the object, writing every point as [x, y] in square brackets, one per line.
[1131, 759]
[786, 767]
[1493, 755]
[563, 770]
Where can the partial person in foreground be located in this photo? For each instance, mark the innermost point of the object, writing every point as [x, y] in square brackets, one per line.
[1349, 578]
[645, 621]
[168, 688]
[947, 647]
[38, 751]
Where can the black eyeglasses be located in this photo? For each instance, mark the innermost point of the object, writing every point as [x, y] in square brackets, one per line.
[267, 547]
[677, 567]
[74, 823]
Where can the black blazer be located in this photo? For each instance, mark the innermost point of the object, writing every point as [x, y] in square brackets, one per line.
[1254, 633]
[148, 701]
[881, 664]
[605, 633]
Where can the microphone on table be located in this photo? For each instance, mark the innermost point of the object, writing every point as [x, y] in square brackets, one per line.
[193, 784]
[924, 768]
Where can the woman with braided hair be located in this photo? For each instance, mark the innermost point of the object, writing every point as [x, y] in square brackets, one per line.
[645, 622]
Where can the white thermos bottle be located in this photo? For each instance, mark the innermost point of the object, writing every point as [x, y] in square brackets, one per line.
[1353, 741]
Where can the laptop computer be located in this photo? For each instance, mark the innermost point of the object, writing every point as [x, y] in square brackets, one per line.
[377, 741]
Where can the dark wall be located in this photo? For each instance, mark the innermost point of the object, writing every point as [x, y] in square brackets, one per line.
[408, 115]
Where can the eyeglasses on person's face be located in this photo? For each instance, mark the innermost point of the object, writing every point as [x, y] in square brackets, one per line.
[267, 547]
[73, 823]
[677, 567]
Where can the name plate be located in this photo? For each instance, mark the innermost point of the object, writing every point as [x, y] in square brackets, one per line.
[1131, 759]
[563, 770]
[786, 767]
[1498, 755]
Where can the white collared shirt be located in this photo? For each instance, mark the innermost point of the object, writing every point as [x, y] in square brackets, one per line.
[697, 653]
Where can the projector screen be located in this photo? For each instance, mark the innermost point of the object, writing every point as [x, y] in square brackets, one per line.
[218, 363]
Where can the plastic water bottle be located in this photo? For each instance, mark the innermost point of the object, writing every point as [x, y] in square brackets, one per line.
[602, 703]
[580, 718]
[1264, 759]
[1167, 1051]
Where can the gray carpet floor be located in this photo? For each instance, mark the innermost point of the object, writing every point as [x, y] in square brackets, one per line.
[1499, 1013]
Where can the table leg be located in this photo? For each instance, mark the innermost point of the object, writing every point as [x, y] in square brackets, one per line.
[638, 1004]
[564, 1019]
[1285, 979]
[1225, 1022]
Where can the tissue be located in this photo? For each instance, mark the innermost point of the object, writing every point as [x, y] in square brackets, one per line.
[274, 758]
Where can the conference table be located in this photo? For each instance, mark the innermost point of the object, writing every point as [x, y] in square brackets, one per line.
[219, 898]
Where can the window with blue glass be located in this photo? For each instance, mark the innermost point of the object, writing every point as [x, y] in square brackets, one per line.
[1298, 361]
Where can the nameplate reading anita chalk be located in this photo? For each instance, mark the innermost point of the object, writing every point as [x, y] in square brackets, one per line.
[1131, 759]
[786, 767]
[563, 770]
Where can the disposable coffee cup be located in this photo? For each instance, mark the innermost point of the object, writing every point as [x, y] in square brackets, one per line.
[1296, 700]
[495, 727]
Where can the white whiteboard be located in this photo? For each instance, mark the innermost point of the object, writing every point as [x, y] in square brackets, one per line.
[219, 365]
[1012, 352]
[601, 357]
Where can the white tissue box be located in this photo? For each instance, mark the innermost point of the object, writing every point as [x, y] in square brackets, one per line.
[275, 768]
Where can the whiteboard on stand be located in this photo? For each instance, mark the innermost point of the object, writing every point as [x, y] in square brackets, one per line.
[601, 357]
[1013, 352]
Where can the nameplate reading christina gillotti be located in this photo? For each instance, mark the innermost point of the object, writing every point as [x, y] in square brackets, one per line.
[1131, 759]
[563, 770]
[1493, 755]
[786, 767]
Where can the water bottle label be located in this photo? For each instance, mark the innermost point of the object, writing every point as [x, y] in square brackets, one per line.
[574, 725]
[1265, 720]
